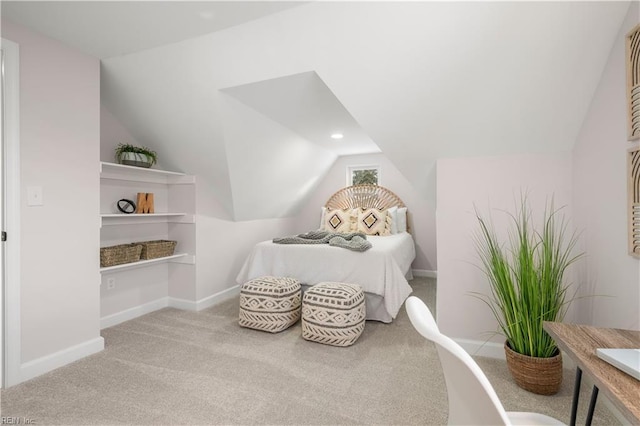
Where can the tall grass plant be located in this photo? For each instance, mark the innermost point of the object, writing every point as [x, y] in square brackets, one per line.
[526, 276]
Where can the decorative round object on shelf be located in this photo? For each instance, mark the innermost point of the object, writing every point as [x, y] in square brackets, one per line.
[126, 206]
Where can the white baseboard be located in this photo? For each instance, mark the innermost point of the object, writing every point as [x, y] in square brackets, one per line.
[205, 303]
[47, 363]
[480, 348]
[425, 273]
[135, 312]
[183, 304]
[219, 297]
[164, 302]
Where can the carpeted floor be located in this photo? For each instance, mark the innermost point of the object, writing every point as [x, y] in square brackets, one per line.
[177, 367]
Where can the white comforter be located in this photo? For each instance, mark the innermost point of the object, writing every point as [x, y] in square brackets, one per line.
[380, 270]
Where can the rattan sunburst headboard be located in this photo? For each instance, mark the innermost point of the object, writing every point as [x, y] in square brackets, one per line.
[367, 196]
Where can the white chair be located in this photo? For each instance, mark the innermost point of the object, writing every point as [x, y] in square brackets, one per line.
[472, 399]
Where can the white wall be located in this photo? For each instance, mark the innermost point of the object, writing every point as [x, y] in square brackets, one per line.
[265, 186]
[220, 257]
[492, 184]
[421, 211]
[112, 132]
[59, 149]
[223, 245]
[600, 198]
[134, 288]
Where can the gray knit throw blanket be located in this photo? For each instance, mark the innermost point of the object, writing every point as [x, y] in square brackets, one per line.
[355, 241]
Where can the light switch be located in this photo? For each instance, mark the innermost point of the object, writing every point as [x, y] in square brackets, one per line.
[34, 196]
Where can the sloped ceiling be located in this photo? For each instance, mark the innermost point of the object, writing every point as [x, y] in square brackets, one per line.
[303, 103]
[278, 142]
[112, 28]
[423, 80]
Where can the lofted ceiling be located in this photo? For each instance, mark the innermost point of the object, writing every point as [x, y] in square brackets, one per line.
[112, 28]
[251, 105]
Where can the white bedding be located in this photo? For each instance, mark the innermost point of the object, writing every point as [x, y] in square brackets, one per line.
[381, 270]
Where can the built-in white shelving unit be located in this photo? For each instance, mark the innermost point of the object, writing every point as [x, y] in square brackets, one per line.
[133, 287]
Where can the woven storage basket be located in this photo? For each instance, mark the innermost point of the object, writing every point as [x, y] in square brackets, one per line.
[117, 255]
[542, 376]
[157, 248]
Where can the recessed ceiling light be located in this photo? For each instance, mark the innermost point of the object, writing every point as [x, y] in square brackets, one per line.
[337, 136]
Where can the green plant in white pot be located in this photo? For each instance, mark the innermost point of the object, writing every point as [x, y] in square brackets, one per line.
[132, 155]
[527, 280]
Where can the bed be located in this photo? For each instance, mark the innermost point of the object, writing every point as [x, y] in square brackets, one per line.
[382, 271]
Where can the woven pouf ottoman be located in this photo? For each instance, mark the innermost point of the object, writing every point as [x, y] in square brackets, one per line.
[270, 303]
[333, 313]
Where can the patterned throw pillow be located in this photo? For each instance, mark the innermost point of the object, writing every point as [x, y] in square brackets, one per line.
[339, 221]
[373, 222]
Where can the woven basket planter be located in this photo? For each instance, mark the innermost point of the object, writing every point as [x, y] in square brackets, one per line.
[542, 376]
[157, 248]
[120, 254]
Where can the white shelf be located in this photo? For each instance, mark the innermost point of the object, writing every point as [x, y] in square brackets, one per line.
[139, 218]
[174, 219]
[140, 174]
[176, 258]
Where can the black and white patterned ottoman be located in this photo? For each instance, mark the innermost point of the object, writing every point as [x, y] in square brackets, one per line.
[270, 303]
[333, 313]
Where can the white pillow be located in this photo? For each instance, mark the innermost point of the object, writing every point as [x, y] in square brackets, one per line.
[402, 219]
[393, 214]
[322, 215]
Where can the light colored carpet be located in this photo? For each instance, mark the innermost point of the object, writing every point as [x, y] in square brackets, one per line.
[176, 367]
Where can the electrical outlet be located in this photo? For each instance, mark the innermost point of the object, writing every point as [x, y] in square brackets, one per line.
[34, 196]
[111, 283]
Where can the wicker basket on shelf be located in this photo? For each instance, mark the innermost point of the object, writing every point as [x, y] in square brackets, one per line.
[120, 254]
[157, 248]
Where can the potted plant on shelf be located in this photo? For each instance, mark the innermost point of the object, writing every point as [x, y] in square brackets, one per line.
[132, 155]
[526, 277]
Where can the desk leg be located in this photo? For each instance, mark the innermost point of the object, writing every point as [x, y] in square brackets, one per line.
[576, 396]
[592, 405]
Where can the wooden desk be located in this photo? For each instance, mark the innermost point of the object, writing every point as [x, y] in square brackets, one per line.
[580, 343]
